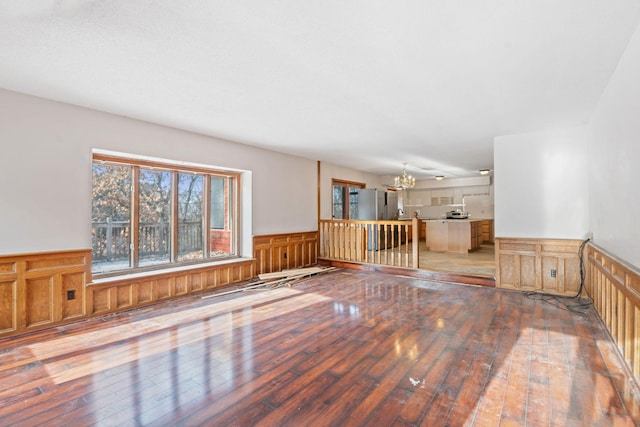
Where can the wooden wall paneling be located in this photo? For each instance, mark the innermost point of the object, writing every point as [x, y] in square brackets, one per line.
[286, 251]
[571, 275]
[49, 281]
[8, 296]
[223, 277]
[197, 284]
[163, 288]
[298, 253]
[263, 253]
[311, 252]
[7, 268]
[527, 276]
[527, 264]
[8, 312]
[633, 348]
[88, 300]
[55, 262]
[21, 296]
[211, 279]
[73, 305]
[124, 296]
[516, 267]
[614, 287]
[550, 283]
[277, 252]
[145, 292]
[39, 294]
[182, 285]
[507, 270]
[101, 300]
[44, 289]
[235, 274]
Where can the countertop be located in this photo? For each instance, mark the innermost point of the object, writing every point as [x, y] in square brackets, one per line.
[448, 219]
[453, 220]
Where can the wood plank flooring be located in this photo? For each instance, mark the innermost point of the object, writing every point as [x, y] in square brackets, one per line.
[343, 348]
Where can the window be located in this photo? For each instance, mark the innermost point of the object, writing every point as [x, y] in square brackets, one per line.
[345, 199]
[149, 216]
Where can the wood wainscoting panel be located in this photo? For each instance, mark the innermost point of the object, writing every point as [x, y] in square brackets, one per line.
[8, 309]
[73, 295]
[125, 297]
[144, 293]
[614, 287]
[99, 301]
[182, 285]
[42, 289]
[277, 252]
[196, 282]
[123, 293]
[39, 301]
[164, 288]
[507, 267]
[542, 265]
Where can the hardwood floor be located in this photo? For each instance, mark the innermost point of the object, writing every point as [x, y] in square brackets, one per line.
[343, 348]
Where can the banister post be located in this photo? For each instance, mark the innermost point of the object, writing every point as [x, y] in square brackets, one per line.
[415, 237]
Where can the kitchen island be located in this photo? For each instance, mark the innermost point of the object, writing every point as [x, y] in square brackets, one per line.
[454, 235]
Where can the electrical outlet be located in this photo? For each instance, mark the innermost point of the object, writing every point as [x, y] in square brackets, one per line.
[591, 235]
[71, 294]
[553, 273]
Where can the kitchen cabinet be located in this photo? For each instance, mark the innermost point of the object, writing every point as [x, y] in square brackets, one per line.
[457, 194]
[422, 230]
[418, 198]
[459, 236]
[442, 197]
[487, 231]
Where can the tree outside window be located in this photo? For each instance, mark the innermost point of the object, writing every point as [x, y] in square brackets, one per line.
[345, 198]
[152, 216]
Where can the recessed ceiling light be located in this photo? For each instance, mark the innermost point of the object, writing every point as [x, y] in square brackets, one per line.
[483, 171]
[439, 177]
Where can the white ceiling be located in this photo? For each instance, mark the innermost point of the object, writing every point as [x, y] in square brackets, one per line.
[366, 84]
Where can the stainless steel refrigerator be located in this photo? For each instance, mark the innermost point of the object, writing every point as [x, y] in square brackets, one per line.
[372, 204]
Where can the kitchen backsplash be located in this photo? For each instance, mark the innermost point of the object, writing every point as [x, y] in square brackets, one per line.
[478, 207]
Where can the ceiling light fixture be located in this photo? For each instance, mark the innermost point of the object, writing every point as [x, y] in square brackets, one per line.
[404, 181]
[484, 171]
[439, 177]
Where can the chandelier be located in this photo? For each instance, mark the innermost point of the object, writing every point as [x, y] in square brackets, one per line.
[405, 181]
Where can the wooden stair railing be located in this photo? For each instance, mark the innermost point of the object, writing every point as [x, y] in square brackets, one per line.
[392, 243]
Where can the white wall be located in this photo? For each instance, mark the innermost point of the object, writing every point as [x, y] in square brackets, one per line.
[614, 161]
[330, 171]
[45, 173]
[540, 184]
